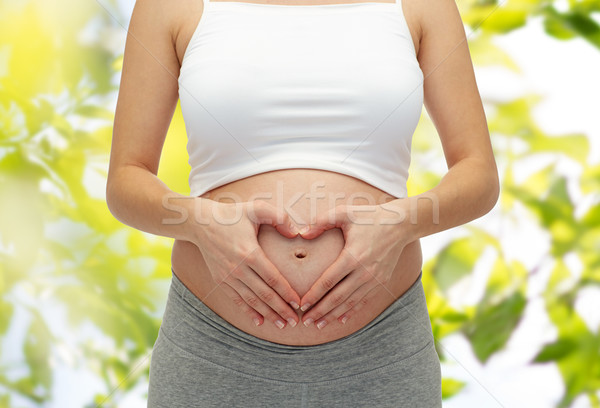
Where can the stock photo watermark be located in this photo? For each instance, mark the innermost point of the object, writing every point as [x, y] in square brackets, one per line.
[237, 206]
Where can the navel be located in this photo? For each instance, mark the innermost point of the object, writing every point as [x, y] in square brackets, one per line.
[300, 253]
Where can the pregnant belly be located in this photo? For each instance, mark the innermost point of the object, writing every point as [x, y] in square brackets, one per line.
[299, 260]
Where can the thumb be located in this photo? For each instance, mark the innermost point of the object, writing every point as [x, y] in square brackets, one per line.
[336, 217]
[261, 212]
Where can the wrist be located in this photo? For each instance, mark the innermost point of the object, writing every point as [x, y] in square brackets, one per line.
[423, 214]
[197, 210]
[406, 215]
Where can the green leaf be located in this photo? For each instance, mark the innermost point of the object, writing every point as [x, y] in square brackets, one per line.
[94, 111]
[556, 350]
[456, 261]
[580, 367]
[590, 179]
[6, 312]
[454, 317]
[37, 353]
[576, 22]
[585, 26]
[556, 28]
[5, 401]
[485, 53]
[451, 387]
[494, 324]
[555, 211]
[575, 146]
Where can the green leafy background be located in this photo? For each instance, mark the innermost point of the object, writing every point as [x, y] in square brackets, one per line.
[80, 291]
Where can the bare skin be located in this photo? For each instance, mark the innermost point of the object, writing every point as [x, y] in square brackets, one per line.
[301, 272]
[345, 272]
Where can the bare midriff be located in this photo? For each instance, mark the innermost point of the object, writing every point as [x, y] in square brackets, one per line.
[304, 193]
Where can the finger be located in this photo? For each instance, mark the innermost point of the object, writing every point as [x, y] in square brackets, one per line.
[341, 299]
[261, 212]
[336, 297]
[254, 302]
[342, 266]
[356, 300]
[264, 268]
[334, 218]
[270, 298]
[256, 317]
[365, 300]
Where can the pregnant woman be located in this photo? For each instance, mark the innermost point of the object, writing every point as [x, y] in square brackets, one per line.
[296, 266]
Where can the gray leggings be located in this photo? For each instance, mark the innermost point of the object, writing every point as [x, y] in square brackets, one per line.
[200, 360]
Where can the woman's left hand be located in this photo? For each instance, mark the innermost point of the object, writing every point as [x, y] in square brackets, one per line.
[375, 236]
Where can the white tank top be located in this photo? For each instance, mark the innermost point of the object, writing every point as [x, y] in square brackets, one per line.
[335, 87]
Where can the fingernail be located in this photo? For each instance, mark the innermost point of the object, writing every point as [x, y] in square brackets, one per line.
[280, 324]
[305, 307]
[294, 229]
[304, 230]
[256, 321]
[321, 324]
[308, 321]
[344, 319]
[292, 322]
[294, 305]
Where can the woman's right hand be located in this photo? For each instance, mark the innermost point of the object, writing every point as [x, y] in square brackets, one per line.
[227, 239]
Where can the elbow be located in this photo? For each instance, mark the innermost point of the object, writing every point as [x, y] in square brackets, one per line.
[112, 202]
[483, 179]
[116, 185]
[492, 190]
[110, 198]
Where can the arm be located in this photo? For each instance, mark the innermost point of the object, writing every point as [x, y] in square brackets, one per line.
[469, 189]
[145, 105]
[147, 98]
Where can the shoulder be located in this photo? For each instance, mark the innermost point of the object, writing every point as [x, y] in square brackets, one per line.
[161, 16]
[439, 27]
[433, 19]
[166, 22]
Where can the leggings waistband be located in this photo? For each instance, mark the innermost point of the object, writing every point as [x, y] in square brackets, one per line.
[399, 332]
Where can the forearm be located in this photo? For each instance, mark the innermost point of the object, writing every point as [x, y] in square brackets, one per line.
[138, 198]
[468, 191]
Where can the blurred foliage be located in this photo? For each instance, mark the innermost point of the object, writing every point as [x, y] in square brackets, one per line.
[62, 252]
